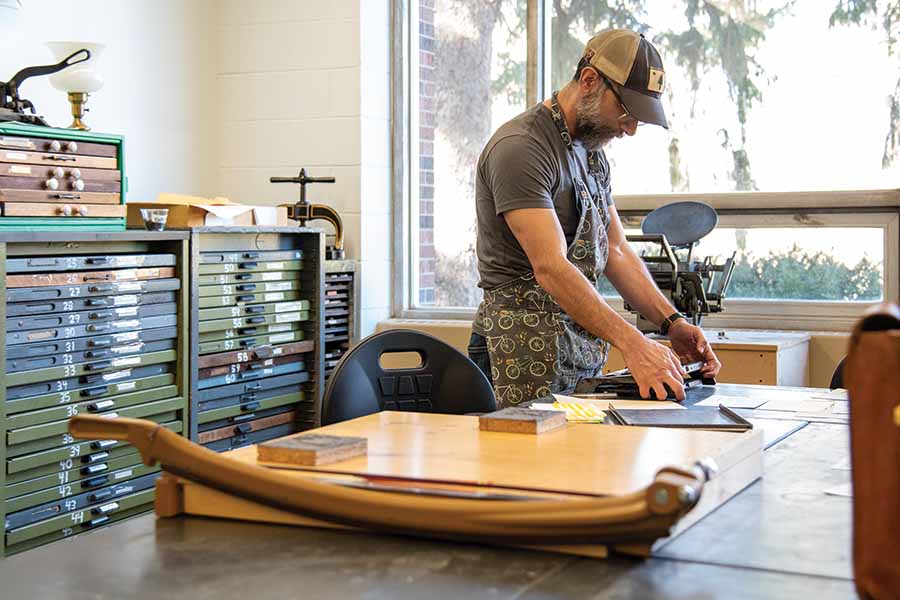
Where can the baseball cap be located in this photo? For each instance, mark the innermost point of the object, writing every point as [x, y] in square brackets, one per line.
[635, 70]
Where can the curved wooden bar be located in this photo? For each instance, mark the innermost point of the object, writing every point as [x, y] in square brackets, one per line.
[637, 518]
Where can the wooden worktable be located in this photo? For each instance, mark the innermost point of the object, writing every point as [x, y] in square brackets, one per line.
[782, 537]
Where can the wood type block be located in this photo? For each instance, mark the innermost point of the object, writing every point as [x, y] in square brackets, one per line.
[522, 420]
[311, 449]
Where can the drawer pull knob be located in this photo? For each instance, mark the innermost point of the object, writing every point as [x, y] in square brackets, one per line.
[75, 173]
[57, 172]
[78, 185]
[52, 183]
[82, 210]
[65, 210]
[55, 146]
[72, 147]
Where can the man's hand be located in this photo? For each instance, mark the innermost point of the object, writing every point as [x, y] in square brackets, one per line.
[690, 344]
[653, 366]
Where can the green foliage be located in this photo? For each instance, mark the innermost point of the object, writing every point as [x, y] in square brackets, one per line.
[800, 275]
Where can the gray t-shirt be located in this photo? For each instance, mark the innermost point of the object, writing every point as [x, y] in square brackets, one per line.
[526, 165]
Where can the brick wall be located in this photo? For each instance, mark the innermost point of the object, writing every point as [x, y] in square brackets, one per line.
[426, 151]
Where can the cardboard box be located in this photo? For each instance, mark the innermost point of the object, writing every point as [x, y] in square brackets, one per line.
[194, 211]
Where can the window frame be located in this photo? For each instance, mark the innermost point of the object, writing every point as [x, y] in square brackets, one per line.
[859, 208]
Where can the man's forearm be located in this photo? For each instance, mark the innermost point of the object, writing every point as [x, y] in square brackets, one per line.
[628, 273]
[581, 301]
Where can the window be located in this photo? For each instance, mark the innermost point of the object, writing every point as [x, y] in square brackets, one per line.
[751, 111]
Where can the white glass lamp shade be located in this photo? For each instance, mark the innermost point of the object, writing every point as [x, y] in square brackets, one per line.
[82, 77]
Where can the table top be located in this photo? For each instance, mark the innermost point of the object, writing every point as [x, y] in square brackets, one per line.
[781, 537]
[452, 449]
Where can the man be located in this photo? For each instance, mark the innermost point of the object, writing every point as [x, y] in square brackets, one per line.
[548, 230]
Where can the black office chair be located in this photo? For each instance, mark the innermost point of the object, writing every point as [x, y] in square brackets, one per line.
[837, 379]
[446, 381]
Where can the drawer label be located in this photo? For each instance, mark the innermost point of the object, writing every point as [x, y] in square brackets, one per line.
[134, 286]
[281, 337]
[126, 324]
[111, 415]
[288, 306]
[131, 336]
[123, 474]
[125, 386]
[280, 286]
[273, 297]
[271, 276]
[16, 156]
[125, 362]
[129, 349]
[279, 328]
[127, 261]
[287, 317]
[274, 265]
[130, 311]
[125, 300]
[117, 375]
[19, 170]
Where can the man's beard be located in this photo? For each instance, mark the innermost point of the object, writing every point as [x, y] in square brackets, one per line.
[592, 129]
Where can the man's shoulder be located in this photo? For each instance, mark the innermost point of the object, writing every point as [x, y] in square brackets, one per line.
[524, 131]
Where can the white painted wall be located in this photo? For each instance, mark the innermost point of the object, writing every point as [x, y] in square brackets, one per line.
[306, 84]
[216, 96]
[159, 77]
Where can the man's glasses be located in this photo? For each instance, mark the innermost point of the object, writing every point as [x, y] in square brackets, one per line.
[626, 116]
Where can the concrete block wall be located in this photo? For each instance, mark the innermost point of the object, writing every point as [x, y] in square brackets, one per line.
[307, 84]
[159, 82]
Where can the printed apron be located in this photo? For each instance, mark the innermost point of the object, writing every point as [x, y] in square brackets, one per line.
[536, 348]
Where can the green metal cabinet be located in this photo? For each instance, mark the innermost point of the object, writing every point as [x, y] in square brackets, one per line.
[116, 345]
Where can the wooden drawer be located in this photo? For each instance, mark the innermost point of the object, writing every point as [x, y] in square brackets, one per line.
[57, 159]
[45, 172]
[59, 197]
[62, 184]
[60, 146]
[32, 209]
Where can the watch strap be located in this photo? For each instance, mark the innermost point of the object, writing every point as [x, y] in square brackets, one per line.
[669, 321]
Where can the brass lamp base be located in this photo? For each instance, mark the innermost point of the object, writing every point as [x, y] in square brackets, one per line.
[78, 101]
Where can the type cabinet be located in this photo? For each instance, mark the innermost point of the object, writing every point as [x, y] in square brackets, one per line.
[93, 323]
[257, 297]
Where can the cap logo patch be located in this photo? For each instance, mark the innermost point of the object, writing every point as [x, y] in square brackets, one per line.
[657, 80]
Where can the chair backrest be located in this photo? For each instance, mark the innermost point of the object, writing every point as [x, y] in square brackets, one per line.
[446, 381]
[837, 378]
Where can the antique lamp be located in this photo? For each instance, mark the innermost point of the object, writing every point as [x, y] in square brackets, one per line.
[80, 81]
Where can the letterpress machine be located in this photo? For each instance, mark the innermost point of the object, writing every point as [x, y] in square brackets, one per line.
[696, 288]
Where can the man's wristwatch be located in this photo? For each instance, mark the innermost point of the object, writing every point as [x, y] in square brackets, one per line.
[669, 321]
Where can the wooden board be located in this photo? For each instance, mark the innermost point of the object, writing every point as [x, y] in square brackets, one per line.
[584, 459]
[76, 211]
